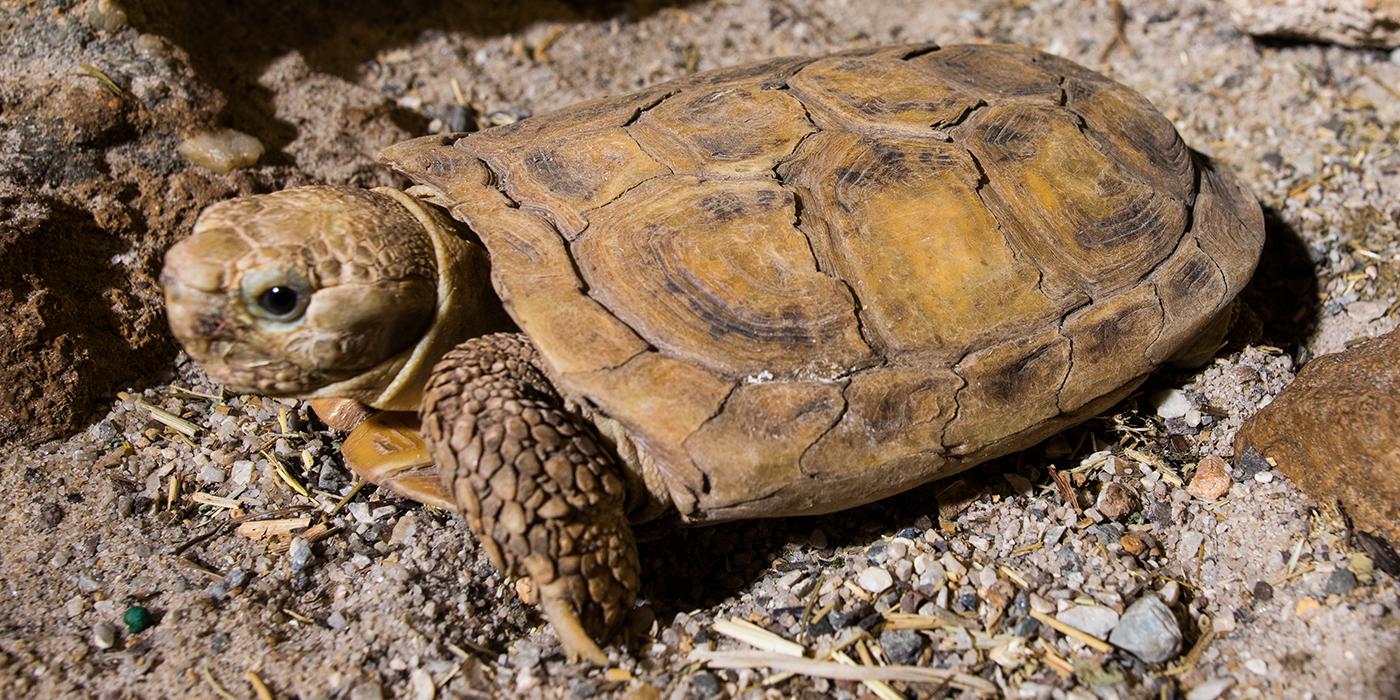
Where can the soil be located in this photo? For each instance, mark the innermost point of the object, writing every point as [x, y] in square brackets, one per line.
[1273, 594]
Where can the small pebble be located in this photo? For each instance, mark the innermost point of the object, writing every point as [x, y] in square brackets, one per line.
[420, 685]
[1116, 500]
[875, 580]
[1211, 480]
[1210, 690]
[705, 684]
[1263, 592]
[1341, 582]
[1170, 593]
[1172, 403]
[1149, 630]
[1257, 666]
[902, 646]
[1091, 619]
[300, 554]
[104, 635]
[1132, 544]
[1264, 477]
[221, 151]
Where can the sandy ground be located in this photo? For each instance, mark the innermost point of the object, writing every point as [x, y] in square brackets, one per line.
[396, 600]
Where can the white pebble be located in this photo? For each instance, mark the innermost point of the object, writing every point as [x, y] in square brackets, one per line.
[1264, 477]
[1210, 690]
[104, 635]
[1172, 403]
[875, 579]
[1091, 619]
[1257, 666]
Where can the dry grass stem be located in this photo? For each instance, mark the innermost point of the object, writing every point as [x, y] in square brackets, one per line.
[756, 636]
[219, 690]
[839, 671]
[262, 529]
[210, 499]
[260, 688]
[1072, 632]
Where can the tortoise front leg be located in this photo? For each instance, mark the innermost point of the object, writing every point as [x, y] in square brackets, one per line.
[538, 486]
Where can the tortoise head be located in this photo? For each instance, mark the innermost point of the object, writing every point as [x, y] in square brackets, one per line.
[324, 291]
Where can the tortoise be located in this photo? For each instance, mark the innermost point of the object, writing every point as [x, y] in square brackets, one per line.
[784, 288]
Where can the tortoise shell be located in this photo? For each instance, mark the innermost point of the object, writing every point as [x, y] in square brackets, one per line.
[805, 284]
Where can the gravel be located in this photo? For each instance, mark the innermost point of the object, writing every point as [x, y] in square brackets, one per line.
[1149, 630]
[1095, 620]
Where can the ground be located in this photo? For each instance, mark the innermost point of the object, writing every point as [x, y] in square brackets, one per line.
[1273, 594]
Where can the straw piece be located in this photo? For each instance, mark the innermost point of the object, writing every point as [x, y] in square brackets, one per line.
[756, 636]
[1072, 631]
[838, 671]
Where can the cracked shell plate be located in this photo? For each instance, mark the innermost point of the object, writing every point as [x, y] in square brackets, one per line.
[805, 284]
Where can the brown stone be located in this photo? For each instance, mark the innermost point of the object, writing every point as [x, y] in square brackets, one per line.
[1211, 480]
[1116, 500]
[1132, 544]
[1336, 433]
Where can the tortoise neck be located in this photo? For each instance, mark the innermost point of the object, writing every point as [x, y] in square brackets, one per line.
[467, 305]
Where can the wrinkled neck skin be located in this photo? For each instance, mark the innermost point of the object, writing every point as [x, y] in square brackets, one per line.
[467, 306]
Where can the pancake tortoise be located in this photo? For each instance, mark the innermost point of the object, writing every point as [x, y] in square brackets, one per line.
[790, 287]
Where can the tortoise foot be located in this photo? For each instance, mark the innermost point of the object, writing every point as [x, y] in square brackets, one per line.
[537, 484]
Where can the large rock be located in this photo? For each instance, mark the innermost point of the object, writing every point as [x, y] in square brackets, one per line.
[1336, 432]
[1374, 23]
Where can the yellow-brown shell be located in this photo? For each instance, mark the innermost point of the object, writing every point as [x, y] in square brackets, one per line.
[806, 284]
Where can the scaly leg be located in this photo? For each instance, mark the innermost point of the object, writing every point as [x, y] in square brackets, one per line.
[537, 484]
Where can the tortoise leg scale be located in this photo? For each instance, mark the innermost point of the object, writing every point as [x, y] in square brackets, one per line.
[538, 486]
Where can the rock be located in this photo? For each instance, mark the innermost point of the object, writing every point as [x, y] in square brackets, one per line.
[1263, 592]
[1172, 403]
[1092, 619]
[1210, 690]
[1336, 432]
[1211, 480]
[104, 635]
[706, 684]
[221, 151]
[106, 16]
[875, 579]
[420, 685]
[902, 646]
[1372, 23]
[1116, 500]
[1170, 593]
[1132, 544]
[1149, 630]
[1341, 582]
[300, 554]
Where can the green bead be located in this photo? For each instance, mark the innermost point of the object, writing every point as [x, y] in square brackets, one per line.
[137, 619]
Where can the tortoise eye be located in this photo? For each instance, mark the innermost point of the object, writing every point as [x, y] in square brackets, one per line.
[276, 295]
[279, 301]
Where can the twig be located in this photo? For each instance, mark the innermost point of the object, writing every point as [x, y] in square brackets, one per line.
[1120, 35]
[340, 505]
[219, 690]
[259, 687]
[1066, 489]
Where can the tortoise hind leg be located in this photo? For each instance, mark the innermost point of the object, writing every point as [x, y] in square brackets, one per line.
[537, 485]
